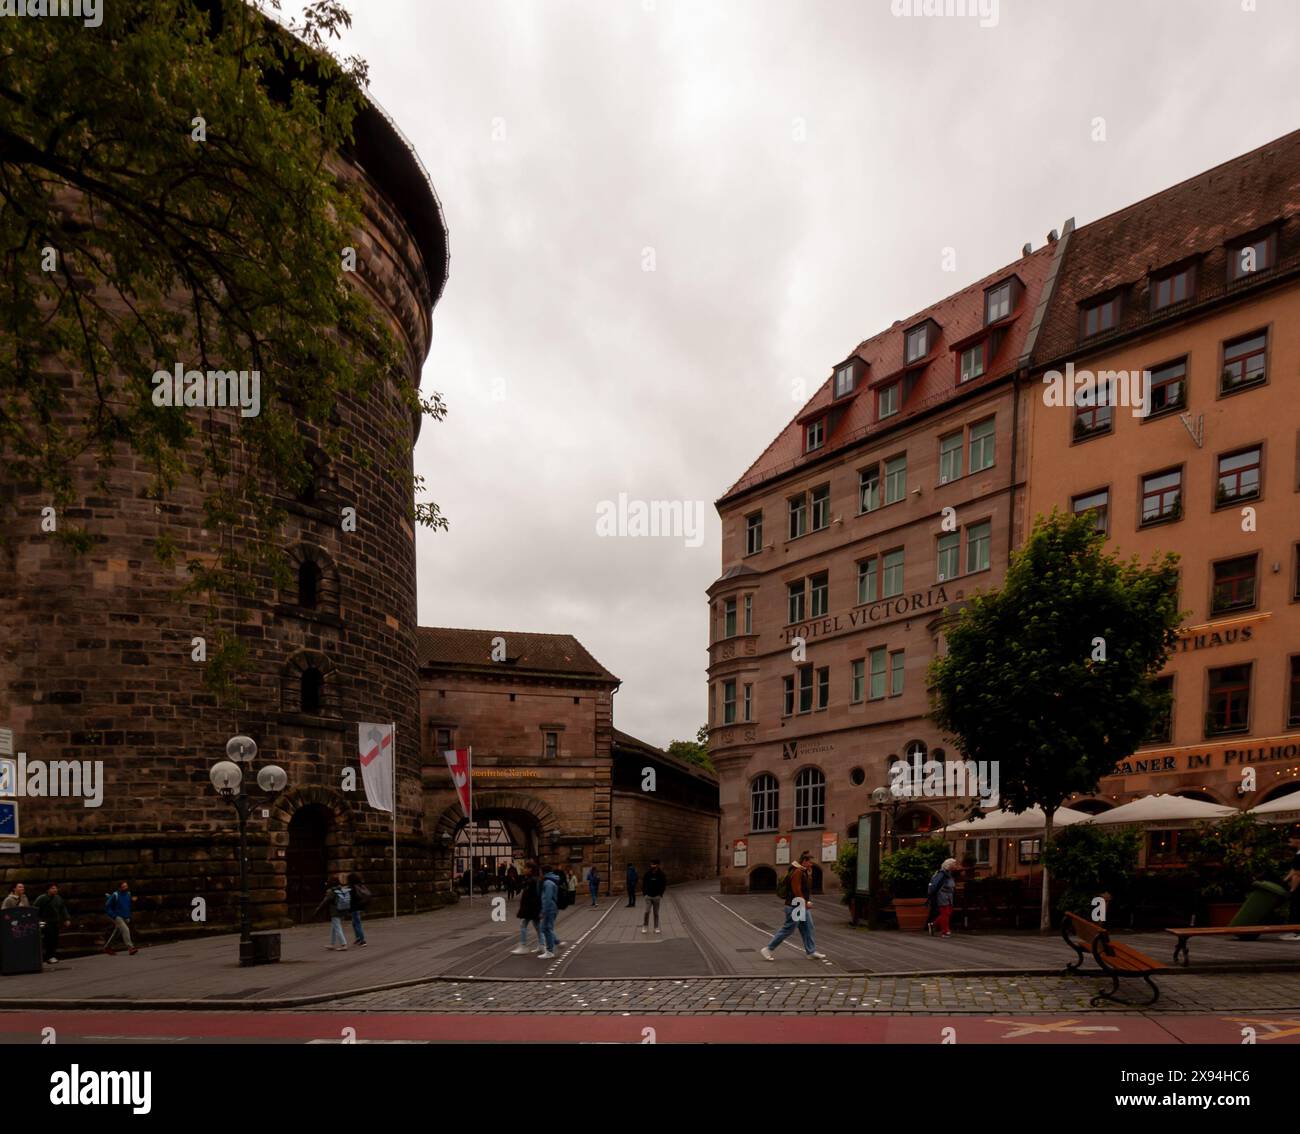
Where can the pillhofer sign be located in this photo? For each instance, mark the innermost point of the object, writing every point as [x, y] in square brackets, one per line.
[1200, 758]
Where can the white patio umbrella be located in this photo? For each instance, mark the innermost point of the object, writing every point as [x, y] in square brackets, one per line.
[1278, 806]
[1164, 809]
[1032, 819]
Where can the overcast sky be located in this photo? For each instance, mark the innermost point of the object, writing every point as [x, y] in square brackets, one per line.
[797, 169]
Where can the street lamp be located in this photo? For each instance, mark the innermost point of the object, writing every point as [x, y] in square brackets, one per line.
[228, 779]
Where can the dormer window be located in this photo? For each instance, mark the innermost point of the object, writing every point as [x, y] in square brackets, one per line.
[973, 360]
[918, 342]
[1099, 316]
[887, 401]
[814, 435]
[1255, 255]
[997, 303]
[1170, 288]
[844, 380]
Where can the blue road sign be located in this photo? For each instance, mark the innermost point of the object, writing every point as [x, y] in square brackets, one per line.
[8, 819]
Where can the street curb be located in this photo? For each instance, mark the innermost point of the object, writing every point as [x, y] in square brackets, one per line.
[219, 1005]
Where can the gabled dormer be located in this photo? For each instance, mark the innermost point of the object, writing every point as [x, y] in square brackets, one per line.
[1002, 301]
[919, 342]
[847, 376]
[1254, 252]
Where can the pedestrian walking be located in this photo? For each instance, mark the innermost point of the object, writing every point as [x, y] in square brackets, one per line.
[361, 896]
[53, 912]
[17, 897]
[653, 886]
[796, 890]
[940, 893]
[512, 881]
[117, 907]
[551, 883]
[572, 880]
[593, 883]
[631, 884]
[1292, 880]
[501, 876]
[530, 910]
[339, 900]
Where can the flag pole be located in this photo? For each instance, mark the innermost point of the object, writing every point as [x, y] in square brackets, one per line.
[469, 775]
[394, 820]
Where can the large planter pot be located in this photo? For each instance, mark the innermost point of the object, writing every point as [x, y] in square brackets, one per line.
[1221, 913]
[912, 912]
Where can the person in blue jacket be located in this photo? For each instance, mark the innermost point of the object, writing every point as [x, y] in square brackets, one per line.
[593, 883]
[118, 908]
[551, 883]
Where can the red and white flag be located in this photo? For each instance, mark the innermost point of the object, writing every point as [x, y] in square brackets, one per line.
[458, 760]
[375, 746]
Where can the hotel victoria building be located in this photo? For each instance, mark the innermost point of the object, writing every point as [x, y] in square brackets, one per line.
[907, 479]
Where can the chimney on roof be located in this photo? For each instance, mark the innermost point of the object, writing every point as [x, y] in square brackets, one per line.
[1053, 236]
[1027, 249]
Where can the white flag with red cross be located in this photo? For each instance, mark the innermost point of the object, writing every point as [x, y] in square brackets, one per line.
[375, 746]
[458, 760]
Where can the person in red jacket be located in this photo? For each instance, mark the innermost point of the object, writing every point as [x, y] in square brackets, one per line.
[796, 889]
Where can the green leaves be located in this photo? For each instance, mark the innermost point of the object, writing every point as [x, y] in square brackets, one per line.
[1019, 682]
[218, 254]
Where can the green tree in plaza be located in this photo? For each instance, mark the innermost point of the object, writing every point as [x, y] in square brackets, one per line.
[1051, 675]
[166, 196]
[694, 751]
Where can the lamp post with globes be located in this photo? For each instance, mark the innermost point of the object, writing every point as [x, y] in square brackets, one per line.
[228, 778]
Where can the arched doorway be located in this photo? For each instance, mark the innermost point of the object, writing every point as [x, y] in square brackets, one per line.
[307, 860]
[762, 880]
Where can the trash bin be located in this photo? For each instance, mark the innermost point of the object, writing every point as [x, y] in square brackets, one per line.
[20, 941]
[1260, 906]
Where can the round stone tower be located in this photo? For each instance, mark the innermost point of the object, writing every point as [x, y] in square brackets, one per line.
[99, 668]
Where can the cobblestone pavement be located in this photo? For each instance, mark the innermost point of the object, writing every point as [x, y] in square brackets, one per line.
[821, 994]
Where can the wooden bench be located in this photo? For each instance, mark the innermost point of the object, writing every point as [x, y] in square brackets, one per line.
[1247, 932]
[1113, 958]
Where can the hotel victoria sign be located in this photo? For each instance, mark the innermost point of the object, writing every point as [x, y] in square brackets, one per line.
[873, 612]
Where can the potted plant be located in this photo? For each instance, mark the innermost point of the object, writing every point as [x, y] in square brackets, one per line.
[1230, 856]
[907, 872]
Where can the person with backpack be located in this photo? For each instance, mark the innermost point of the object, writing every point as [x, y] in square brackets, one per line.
[530, 909]
[117, 907]
[339, 900]
[593, 883]
[53, 912]
[653, 886]
[631, 884]
[361, 896]
[795, 889]
[552, 884]
[940, 892]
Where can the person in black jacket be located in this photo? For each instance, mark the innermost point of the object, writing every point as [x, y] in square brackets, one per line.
[631, 884]
[653, 886]
[530, 909]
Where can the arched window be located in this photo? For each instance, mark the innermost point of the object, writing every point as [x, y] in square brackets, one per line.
[318, 581]
[810, 798]
[764, 803]
[308, 584]
[312, 686]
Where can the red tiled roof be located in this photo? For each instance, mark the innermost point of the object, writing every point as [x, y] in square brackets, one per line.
[438, 646]
[960, 316]
[1191, 219]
